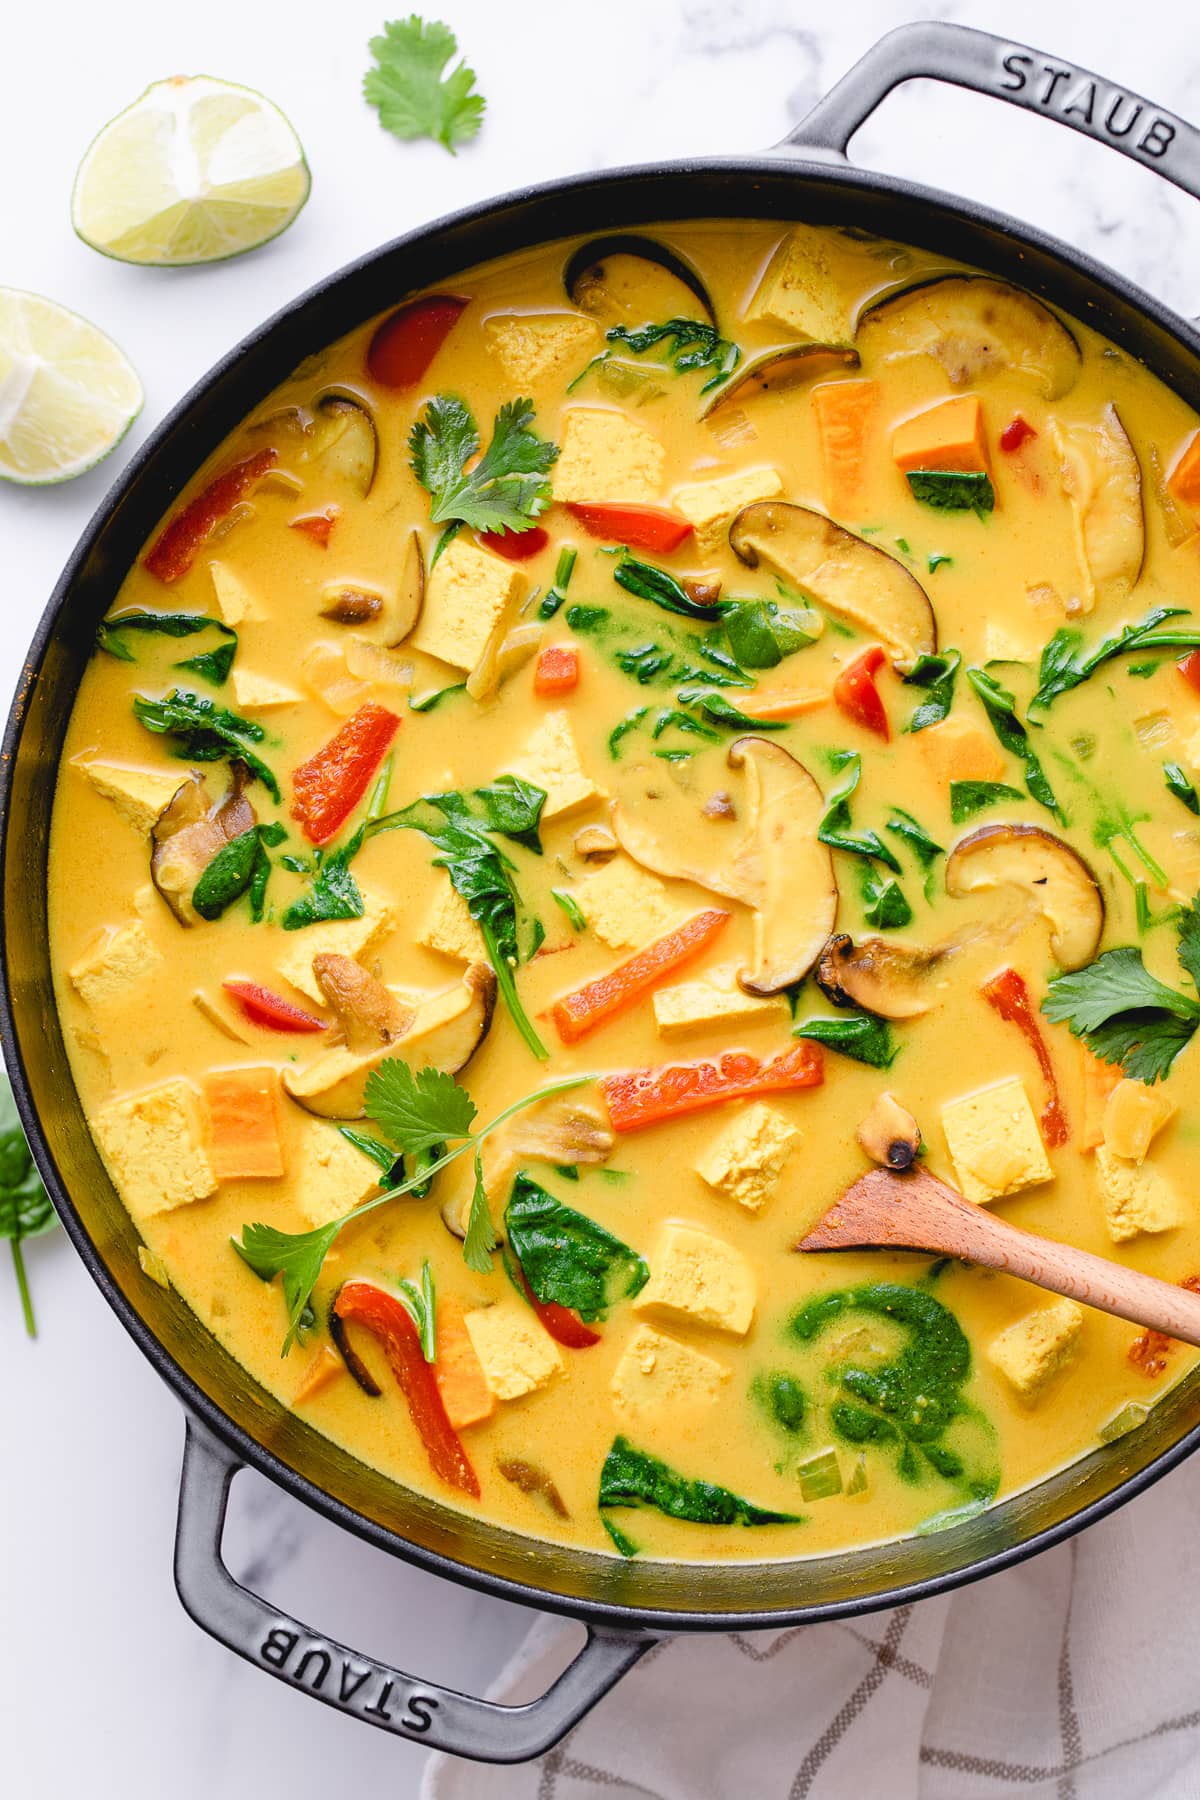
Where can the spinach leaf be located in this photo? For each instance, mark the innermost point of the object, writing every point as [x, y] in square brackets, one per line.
[567, 1259]
[622, 728]
[564, 568]
[205, 732]
[1181, 787]
[25, 1209]
[836, 822]
[428, 702]
[970, 797]
[650, 583]
[690, 343]
[884, 903]
[1065, 664]
[915, 836]
[241, 866]
[761, 632]
[864, 1038]
[332, 893]
[1001, 709]
[783, 1400]
[936, 673]
[632, 1477]
[952, 490]
[715, 706]
[212, 665]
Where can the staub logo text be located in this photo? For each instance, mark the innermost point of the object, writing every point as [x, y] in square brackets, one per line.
[1107, 112]
[368, 1691]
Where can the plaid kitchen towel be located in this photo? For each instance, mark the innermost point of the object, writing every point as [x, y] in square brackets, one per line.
[1073, 1677]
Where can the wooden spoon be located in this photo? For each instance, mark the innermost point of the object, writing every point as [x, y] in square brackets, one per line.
[916, 1211]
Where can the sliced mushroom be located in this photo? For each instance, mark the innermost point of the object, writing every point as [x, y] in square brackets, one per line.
[889, 1134]
[596, 843]
[841, 572]
[563, 1130]
[344, 440]
[190, 830]
[892, 980]
[531, 1478]
[384, 618]
[736, 874]
[1102, 479]
[774, 371]
[975, 328]
[798, 896]
[627, 276]
[351, 605]
[444, 1032]
[1056, 878]
[369, 1014]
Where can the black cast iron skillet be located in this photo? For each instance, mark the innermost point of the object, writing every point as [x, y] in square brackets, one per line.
[231, 1422]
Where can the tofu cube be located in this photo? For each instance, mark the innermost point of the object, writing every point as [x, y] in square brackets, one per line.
[714, 1001]
[450, 929]
[956, 750]
[625, 906]
[1030, 1352]
[517, 1354]
[994, 1142]
[1136, 1197]
[658, 1377]
[550, 759]
[235, 601]
[533, 347]
[700, 1279]
[1133, 1115]
[811, 290]
[139, 795]
[258, 693]
[331, 1176]
[153, 1144]
[343, 937]
[745, 1160]
[115, 966]
[710, 505]
[605, 456]
[467, 593]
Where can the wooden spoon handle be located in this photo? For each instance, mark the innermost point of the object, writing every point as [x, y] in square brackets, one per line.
[919, 1212]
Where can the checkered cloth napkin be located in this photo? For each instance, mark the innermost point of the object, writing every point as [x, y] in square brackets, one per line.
[1073, 1677]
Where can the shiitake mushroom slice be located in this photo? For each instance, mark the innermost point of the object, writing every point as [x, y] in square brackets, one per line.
[775, 370]
[596, 285]
[345, 441]
[974, 327]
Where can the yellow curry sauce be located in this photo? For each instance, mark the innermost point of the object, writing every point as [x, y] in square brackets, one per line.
[313, 565]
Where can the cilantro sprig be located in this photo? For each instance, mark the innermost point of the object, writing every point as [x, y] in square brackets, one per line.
[415, 1111]
[414, 96]
[506, 490]
[1124, 1014]
[25, 1209]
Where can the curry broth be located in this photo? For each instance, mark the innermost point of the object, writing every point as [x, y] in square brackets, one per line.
[154, 1031]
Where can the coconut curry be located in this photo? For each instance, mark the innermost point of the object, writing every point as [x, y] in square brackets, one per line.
[602, 756]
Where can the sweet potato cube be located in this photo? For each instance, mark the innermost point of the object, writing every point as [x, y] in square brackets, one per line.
[950, 435]
[243, 1124]
[1183, 483]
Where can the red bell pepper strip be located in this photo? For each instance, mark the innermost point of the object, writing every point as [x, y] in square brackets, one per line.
[317, 526]
[385, 1318]
[562, 1322]
[407, 342]
[638, 527]
[262, 1007]
[179, 543]
[641, 1097]
[1008, 993]
[556, 670]
[515, 546]
[330, 784]
[1189, 668]
[855, 693]
[1016, 434]
[598, 1001]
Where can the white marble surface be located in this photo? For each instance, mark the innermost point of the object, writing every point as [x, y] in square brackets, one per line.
[105, 1686]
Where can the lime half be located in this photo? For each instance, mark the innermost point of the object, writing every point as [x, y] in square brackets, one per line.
[67, 394]
[194, 171]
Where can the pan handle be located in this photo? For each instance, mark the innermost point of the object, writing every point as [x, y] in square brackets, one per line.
[358, 1685]
[1009, 71]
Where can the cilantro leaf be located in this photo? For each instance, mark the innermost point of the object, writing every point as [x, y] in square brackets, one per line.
[417, 1111]
[506, 490]
[481, 1239]
[1123, 1013]
[296, 1255]
[25, 1208]
[414, 97]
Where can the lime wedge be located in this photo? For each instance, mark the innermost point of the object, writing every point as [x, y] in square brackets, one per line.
[195, 171]
[67, 394]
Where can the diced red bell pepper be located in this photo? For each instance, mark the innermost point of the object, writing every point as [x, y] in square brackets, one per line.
[562, 1322]
[515, 546]
[599, 1001]
[1150, 1351]
[1016, 434]
[262, 1007]
[638, 527]
[1009, 994]
[1189, 668]
[641, 1097]
[407, 342]
[179, 543]
[855, 693]
[330, 784]
[556, 670]
[317, 526]
[380, 1313]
